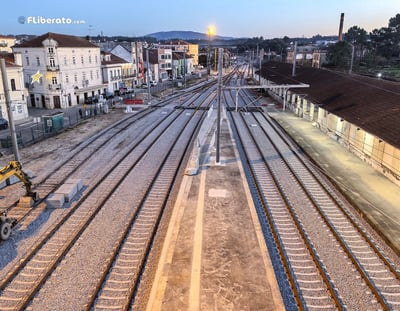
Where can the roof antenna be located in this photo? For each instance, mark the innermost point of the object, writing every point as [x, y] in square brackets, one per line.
[90, 33]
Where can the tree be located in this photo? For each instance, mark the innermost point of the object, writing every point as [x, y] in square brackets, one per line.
[394, 25]
[382, 42]
[359, 38]
[339, 54]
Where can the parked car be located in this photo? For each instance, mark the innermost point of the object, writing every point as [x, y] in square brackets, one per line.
[108, 95]
[3, 123]
[144, 85]
[153, 83]
[91, 100]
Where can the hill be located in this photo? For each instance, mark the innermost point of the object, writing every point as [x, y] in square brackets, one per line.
[184, 35]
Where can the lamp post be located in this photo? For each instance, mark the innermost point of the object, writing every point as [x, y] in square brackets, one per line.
[220, 59]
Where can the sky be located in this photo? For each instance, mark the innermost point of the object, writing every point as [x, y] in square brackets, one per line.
[233, 18]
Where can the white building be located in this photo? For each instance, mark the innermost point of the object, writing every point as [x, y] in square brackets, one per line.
[115, 71]
[18, 93]
[159, 63]
[60, 70]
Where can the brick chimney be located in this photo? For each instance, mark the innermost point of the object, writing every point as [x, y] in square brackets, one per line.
[341, 27]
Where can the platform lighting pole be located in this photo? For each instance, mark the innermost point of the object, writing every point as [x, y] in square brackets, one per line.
[184, 67]
[9, 111]
[220, 52]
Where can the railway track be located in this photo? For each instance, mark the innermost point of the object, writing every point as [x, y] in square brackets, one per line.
[165, 142]
[331, 262]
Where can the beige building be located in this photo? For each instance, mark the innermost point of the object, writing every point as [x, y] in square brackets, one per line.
[16, 87]
[6, 43]
[60, 70]
[182, 46]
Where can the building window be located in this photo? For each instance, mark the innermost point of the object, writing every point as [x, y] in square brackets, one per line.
[51, 50]
[73, 60]
[52, 62]
[37, 61]
[65, 60]
[90, 59]
[97, 74]
[75, 78]
[95, 59]
[81, 59]
[66, 79]
[13, 88]
[54, 80]
[27, 60]
[91, 75]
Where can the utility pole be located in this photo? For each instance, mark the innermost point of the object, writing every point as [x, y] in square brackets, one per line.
[352, 59]
[184, 67]
[294, 59]
[9, 112]
[148, 75]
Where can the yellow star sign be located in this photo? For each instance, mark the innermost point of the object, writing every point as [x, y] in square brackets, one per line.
[36, 77]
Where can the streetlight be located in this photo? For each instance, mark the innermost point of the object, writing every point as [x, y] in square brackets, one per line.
[211, 31]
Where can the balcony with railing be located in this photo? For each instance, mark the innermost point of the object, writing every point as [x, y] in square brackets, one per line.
[54, 87]
[53, 67]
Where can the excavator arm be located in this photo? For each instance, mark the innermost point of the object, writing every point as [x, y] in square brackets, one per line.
[14, 168]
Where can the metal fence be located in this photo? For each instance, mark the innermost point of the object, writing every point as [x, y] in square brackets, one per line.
[52, 124]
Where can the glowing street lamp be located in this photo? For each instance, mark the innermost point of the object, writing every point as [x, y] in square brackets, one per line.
[211, 31]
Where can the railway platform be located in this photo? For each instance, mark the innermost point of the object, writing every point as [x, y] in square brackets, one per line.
[214, 256]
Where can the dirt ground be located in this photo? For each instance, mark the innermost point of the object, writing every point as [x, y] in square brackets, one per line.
[41, 154]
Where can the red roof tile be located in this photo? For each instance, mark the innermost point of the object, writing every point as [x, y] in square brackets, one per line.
[62, 40]
[372, 104]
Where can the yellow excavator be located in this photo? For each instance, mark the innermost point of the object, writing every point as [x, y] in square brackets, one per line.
[14, 168]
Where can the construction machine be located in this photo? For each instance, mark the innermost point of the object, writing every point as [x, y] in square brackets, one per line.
[14, 168]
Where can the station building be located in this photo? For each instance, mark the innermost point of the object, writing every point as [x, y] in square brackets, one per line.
[361, 113]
